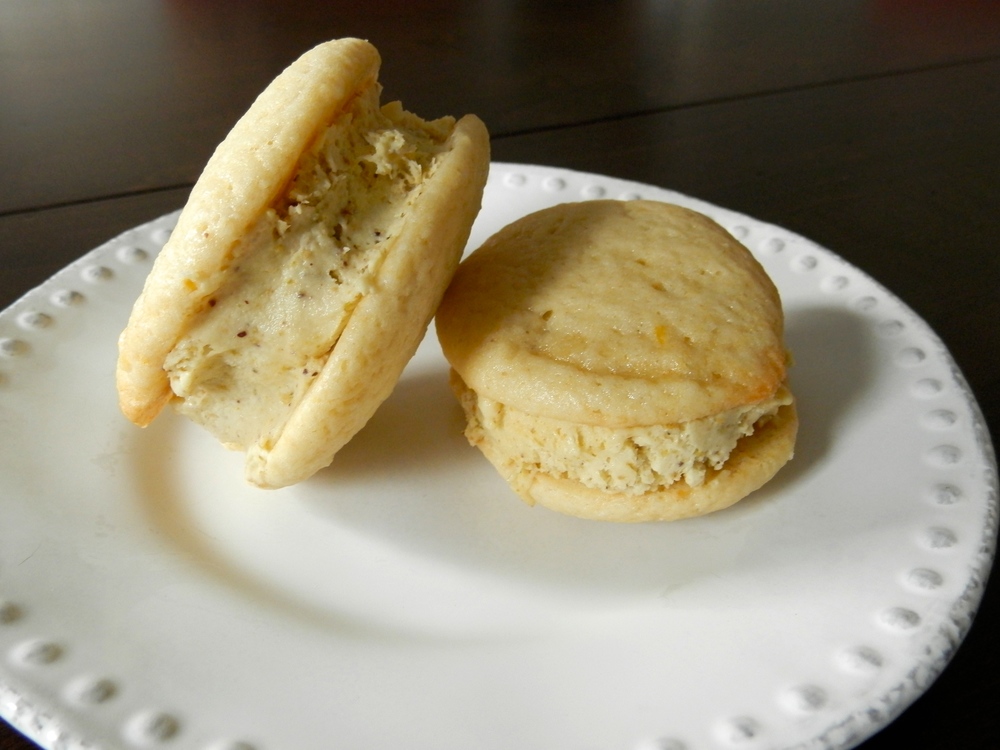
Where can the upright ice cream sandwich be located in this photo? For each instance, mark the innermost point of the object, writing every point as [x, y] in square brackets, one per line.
[305, 267]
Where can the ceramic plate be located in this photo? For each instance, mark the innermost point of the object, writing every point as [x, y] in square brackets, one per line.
[405, 598]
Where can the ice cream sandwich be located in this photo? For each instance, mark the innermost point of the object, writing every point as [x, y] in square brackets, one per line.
[305, 267]
[621, 361]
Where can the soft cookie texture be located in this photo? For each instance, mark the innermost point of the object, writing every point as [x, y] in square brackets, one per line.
[621, 361]
[305, 267]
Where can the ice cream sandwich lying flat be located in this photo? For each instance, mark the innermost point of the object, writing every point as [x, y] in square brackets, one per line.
[305, 267]
[621, 361]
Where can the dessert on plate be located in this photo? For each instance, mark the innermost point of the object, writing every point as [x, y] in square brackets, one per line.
[621, 361]
[305, 267]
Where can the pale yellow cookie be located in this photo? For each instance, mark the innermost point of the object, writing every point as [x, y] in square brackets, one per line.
[305, 267]
[621, 361]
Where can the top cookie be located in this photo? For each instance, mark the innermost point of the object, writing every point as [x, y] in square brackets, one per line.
[615, 314]
[305, 266]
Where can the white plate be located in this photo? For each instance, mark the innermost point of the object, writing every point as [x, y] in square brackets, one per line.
[404, 598]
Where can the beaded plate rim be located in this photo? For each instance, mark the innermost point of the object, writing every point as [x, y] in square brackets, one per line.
[28, 327]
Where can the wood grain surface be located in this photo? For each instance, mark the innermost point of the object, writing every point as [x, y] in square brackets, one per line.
[871, 127]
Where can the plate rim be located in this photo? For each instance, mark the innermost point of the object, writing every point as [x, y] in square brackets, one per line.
[37, 715]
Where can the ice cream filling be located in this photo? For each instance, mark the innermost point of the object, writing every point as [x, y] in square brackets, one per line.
[632, 460]
[264, 336]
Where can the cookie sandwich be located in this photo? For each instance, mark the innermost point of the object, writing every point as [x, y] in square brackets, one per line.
[621, 361]
[305, 266]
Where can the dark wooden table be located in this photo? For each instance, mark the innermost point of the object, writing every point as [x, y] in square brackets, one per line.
[870, 127]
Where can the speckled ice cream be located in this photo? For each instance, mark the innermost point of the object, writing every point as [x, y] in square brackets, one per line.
[633, 461]
[264, 337]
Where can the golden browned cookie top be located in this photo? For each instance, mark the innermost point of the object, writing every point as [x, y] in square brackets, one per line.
[616, 314]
